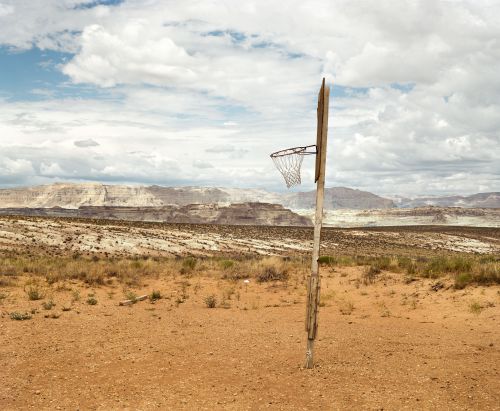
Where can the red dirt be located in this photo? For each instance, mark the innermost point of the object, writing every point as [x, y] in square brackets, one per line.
[403, 346]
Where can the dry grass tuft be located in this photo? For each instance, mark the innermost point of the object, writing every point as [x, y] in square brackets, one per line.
[155, 296]
[370, 274]
[465, 269]
[346, 307]
[48, 305]
[210, 301]
[272, 273]
[34, 293]
[476, 308]
[131, 271]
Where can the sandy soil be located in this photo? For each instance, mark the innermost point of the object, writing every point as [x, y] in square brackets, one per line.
[387, 345]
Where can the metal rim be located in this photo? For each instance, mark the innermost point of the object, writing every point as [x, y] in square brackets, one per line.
[302, 151]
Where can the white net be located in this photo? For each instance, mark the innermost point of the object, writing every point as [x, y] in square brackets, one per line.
[288, 163]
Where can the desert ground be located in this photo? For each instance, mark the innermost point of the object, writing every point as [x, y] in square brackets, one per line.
[409, 317]
[57, 236]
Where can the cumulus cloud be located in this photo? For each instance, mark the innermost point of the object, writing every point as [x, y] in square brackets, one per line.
[12, 167]
[133, 147]
[414, 109]
[134, 54]
[141, 52]
[51, 170]
[47, 24]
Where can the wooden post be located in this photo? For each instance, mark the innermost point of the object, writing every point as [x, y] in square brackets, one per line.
[313, 289]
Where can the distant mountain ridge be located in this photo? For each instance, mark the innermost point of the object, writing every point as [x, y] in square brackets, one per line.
[480, 200]
[72, 196]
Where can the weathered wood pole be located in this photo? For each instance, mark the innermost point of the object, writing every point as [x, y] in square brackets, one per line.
[313, 289]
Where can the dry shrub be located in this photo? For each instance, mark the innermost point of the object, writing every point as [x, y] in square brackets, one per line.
[462, 280]
[34, 293]
[210, 301]
[227, 264]
[235, 276]
[93, 271]
[325, 298]
[408, 265]
[235, 270]
[489, 273]
[227, 293]
[91, 300]
[17, 316]
[48, 305]
[475, 308]
[264, 269]
[343, 260]
[188, 265]
[8, 271]
[155, 296]
[272, 273]
[279, 269]
[346, 307]
[6, 282]
[465, 269]
[370, 274]
[328, 260]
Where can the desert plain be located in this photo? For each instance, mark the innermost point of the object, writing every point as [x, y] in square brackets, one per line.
[409, 317]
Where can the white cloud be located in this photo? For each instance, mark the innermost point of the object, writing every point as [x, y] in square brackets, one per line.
[202, 164]
[147, 52]
[221, 149]
[217, 83]
[86, 143]
[15, 167]
[51, 170]
[134, 55]
[48, 24]
[6, 9]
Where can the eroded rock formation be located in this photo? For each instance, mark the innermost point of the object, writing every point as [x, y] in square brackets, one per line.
[234, 214]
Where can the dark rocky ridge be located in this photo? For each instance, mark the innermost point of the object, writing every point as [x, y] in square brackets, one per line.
[234, 214]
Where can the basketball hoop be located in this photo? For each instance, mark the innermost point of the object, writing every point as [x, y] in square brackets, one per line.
[289, 161]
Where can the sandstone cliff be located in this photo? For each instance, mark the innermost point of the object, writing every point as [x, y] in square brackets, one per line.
[76, 195]
[94, 194]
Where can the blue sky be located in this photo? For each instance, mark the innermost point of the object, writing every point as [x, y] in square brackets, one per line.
[25, 73]
[199, 93]
[94, 3]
